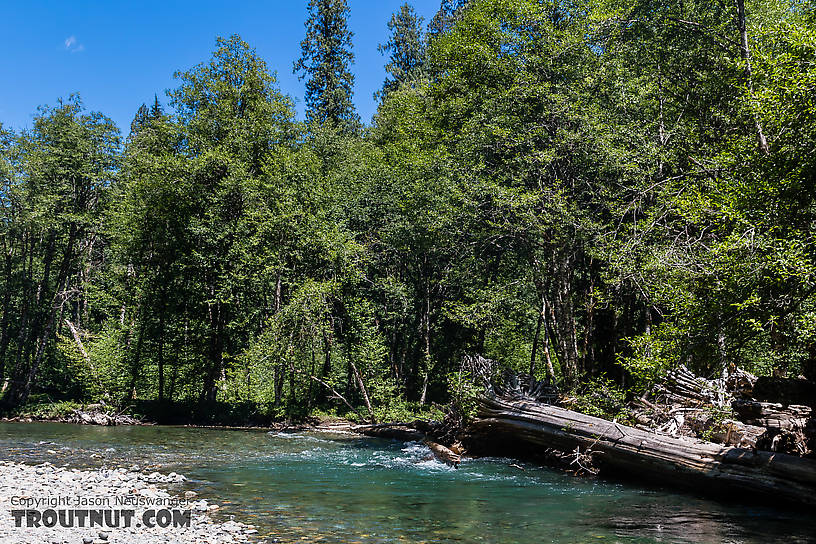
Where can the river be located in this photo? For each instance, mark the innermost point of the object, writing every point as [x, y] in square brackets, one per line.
[312, 487]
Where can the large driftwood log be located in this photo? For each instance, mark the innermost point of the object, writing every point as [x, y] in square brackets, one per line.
[773, 415]
[94, 416]
[728, 432]
[394, 431]
[679, 461]
[684, 388]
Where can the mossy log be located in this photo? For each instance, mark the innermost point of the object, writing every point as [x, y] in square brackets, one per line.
[680, 461]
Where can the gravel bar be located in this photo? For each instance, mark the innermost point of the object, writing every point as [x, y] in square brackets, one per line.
[55, 498]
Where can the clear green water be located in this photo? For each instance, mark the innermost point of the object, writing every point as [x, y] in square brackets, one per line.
[333, 488]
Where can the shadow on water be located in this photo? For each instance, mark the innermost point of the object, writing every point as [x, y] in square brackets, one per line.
[343, 488]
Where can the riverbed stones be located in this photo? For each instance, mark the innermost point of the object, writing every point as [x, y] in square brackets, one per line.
[47, 481]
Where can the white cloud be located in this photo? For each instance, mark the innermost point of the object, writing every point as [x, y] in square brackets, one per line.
[72, 45]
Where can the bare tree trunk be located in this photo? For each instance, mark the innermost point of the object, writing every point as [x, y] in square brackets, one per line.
[542, 324]
[160, 361]
[278, 294]
[33, 312]
[662, 125]
[546, 343]
[534, 351]
[78, 341]
[589, 331]
[277, 379]
[550, 327]
[328, 344]
[4, 332]
[426, 333]
[21, 394]
[722, 349]
[48, 259]
[403, 355]
[171, 394]
[137, 360]
[566, 324]
[210, 390]
[24, 311]
[336, 394]
[312, 369]
[363, 390]
[745, 51]
[19, 390]
[162, 308]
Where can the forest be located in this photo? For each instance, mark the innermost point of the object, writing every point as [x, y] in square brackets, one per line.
[591, 192]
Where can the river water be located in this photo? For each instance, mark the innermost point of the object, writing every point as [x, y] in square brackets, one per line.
[311, 487]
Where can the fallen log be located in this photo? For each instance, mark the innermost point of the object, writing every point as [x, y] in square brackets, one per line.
[97, 417]
[410, 432]
[740, 383]
[792, 442]
[393, 431]
[683, 386]
[772, 415]
[728, 431]
[443, 453]
[617, 448]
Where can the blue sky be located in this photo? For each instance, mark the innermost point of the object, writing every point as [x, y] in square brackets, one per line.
[117, 53]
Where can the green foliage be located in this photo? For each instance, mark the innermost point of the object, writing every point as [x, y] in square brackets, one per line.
[446, 16]
[55, 185]
[464, 393]
[717, 422]
[652, 355]
[600, 397]
[37, 409]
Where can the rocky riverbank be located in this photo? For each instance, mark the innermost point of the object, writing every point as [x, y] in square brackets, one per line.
[51, 505]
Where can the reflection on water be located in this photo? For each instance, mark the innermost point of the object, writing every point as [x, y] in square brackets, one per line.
[312, 487]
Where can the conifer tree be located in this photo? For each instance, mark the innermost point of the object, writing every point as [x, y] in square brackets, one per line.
[407, 50]
[156, 110]
[325, 64]
[449, 12]
[140, 120]
[145, 115]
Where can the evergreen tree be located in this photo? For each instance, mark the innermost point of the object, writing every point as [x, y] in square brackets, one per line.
[145, 115]
[156, 110]
[140, 120]
[449, 12]
[407, 50]
[324, 63]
